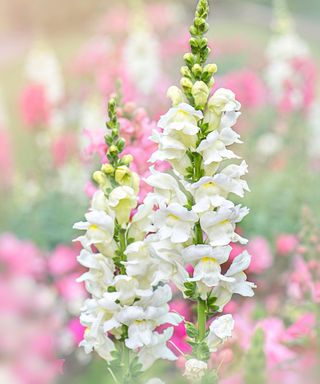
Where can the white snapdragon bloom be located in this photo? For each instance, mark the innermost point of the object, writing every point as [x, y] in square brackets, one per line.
[223, 109]
[122, 200]
[172, 150]
[211, 192]
[98, 316]
[238, 281]
[171, 265]
[128, 288]
[195, 370]
[166, 188]
[213, 148]
[98, 341]
[207, 270]
[99, 228]
[220, 225]
[141, 221]
[146, 315]
[138, 259]
[100, 274]
[174, 222]
[220, 330]
[157, 349]
[181, 122]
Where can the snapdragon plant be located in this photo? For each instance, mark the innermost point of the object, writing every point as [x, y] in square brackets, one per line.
[196, 221]
[127, 302]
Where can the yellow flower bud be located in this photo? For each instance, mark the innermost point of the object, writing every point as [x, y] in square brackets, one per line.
[107, 168]
[211, 68]
[185, 71]
[200, 93]
[122, 175]
[175, 94]
[100, 178]
[186, 84]
[197, 69]
[113, 149]
[127, 159]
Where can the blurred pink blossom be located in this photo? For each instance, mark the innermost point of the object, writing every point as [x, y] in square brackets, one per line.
[286, 243]
[34, 106]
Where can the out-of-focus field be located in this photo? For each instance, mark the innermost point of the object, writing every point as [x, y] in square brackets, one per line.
[41, 198]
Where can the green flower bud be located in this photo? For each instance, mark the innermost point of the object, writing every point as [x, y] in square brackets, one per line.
[197, 69]
[189, 59]
[198, 21]
[186, 84]
[200, 93]
[193, 30]
[120, 144]
[185, 71]
[107, 168]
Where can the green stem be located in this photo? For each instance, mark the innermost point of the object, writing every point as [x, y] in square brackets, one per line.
[122, 248]
[201, 311]
[198, 233]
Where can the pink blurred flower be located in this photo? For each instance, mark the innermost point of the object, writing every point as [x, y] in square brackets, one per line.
[286, 243]
[19, 257]
[302, 327]
[247, 86]
[69, 289]
[276, 351]
[63, 148]
[76, 329]
[34, 106]
[62, 260]
[262, 257]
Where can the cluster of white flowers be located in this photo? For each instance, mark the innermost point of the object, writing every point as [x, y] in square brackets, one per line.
[195, 221]
[127, 303]
[186, 206]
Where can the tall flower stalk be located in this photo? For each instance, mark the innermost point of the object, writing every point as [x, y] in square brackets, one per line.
[127, 303]
[195, 221]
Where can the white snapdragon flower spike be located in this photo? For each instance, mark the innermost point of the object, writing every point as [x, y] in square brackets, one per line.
[127, 302]
[220, 330]
[194, 220]
[174, 222]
